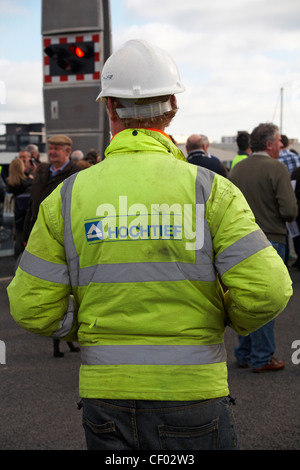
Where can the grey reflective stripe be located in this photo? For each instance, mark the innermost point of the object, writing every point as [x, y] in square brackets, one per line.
[241, 250]
[202, 270]
[145, 272]
[203, 261]
[65, 324]
[153, 355]
[204, 183]
[70, 250]
[43, 269]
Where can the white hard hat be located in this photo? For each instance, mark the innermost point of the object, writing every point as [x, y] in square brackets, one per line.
[139, 70]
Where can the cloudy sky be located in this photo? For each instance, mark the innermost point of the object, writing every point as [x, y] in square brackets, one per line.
[234, 57]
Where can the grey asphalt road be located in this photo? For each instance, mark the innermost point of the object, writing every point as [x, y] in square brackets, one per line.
[39, 393]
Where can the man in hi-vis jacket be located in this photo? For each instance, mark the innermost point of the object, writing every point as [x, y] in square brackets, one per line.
[129, 258]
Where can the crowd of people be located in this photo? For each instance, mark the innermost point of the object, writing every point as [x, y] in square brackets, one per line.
[270, 182]
[153, 311]
[30, 181]
[266, 183]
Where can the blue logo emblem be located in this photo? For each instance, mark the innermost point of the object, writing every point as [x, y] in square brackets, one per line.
[93, 231]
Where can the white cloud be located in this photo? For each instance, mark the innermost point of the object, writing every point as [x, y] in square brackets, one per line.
[217, 15]
[22, 91]
[11, 7]
[233, 57]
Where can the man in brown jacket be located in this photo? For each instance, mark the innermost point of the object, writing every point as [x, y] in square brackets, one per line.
[265, 183]
[49, 175]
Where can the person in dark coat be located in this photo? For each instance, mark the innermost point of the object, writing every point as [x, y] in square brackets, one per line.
[47, 177]
[295, 176]
[196, 147]
[19, 185]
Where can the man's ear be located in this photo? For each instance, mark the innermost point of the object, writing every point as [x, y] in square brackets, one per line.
[268, 145]
[110, 109]
[174, 101]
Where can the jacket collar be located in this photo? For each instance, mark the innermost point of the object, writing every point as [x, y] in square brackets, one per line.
[197, 153]
[131, 140]
[260, 153]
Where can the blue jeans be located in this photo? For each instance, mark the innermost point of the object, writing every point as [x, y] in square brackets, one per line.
[280, 248]
[159, 425]
[258, 347]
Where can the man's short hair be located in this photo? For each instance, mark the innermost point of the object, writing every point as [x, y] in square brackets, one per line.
[32, 148]
[243, 141]
[285, 141]
[149, 122]
[91, 157]
[261, 134]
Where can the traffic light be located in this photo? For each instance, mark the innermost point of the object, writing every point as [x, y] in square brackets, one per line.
[81, 50]
[71, 58]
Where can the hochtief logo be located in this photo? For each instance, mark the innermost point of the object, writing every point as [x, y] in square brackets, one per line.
[161, 222]
[94, 231]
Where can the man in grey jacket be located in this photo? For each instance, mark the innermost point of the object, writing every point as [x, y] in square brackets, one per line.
[266, 185]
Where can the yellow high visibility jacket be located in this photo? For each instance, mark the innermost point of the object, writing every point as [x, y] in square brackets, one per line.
[126, 257]
[238, 158]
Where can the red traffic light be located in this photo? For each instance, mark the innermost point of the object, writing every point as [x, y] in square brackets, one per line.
[76, 50]
[80, 51]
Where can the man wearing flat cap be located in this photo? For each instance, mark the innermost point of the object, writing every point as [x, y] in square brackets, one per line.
[49, 176]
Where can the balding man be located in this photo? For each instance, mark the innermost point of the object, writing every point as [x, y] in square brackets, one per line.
[77, 155]
[34, 152]
[196, 147]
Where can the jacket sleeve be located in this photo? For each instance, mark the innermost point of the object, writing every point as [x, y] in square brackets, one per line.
[285, 195]
[296, 177]
[40, 294]
[244, 259]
